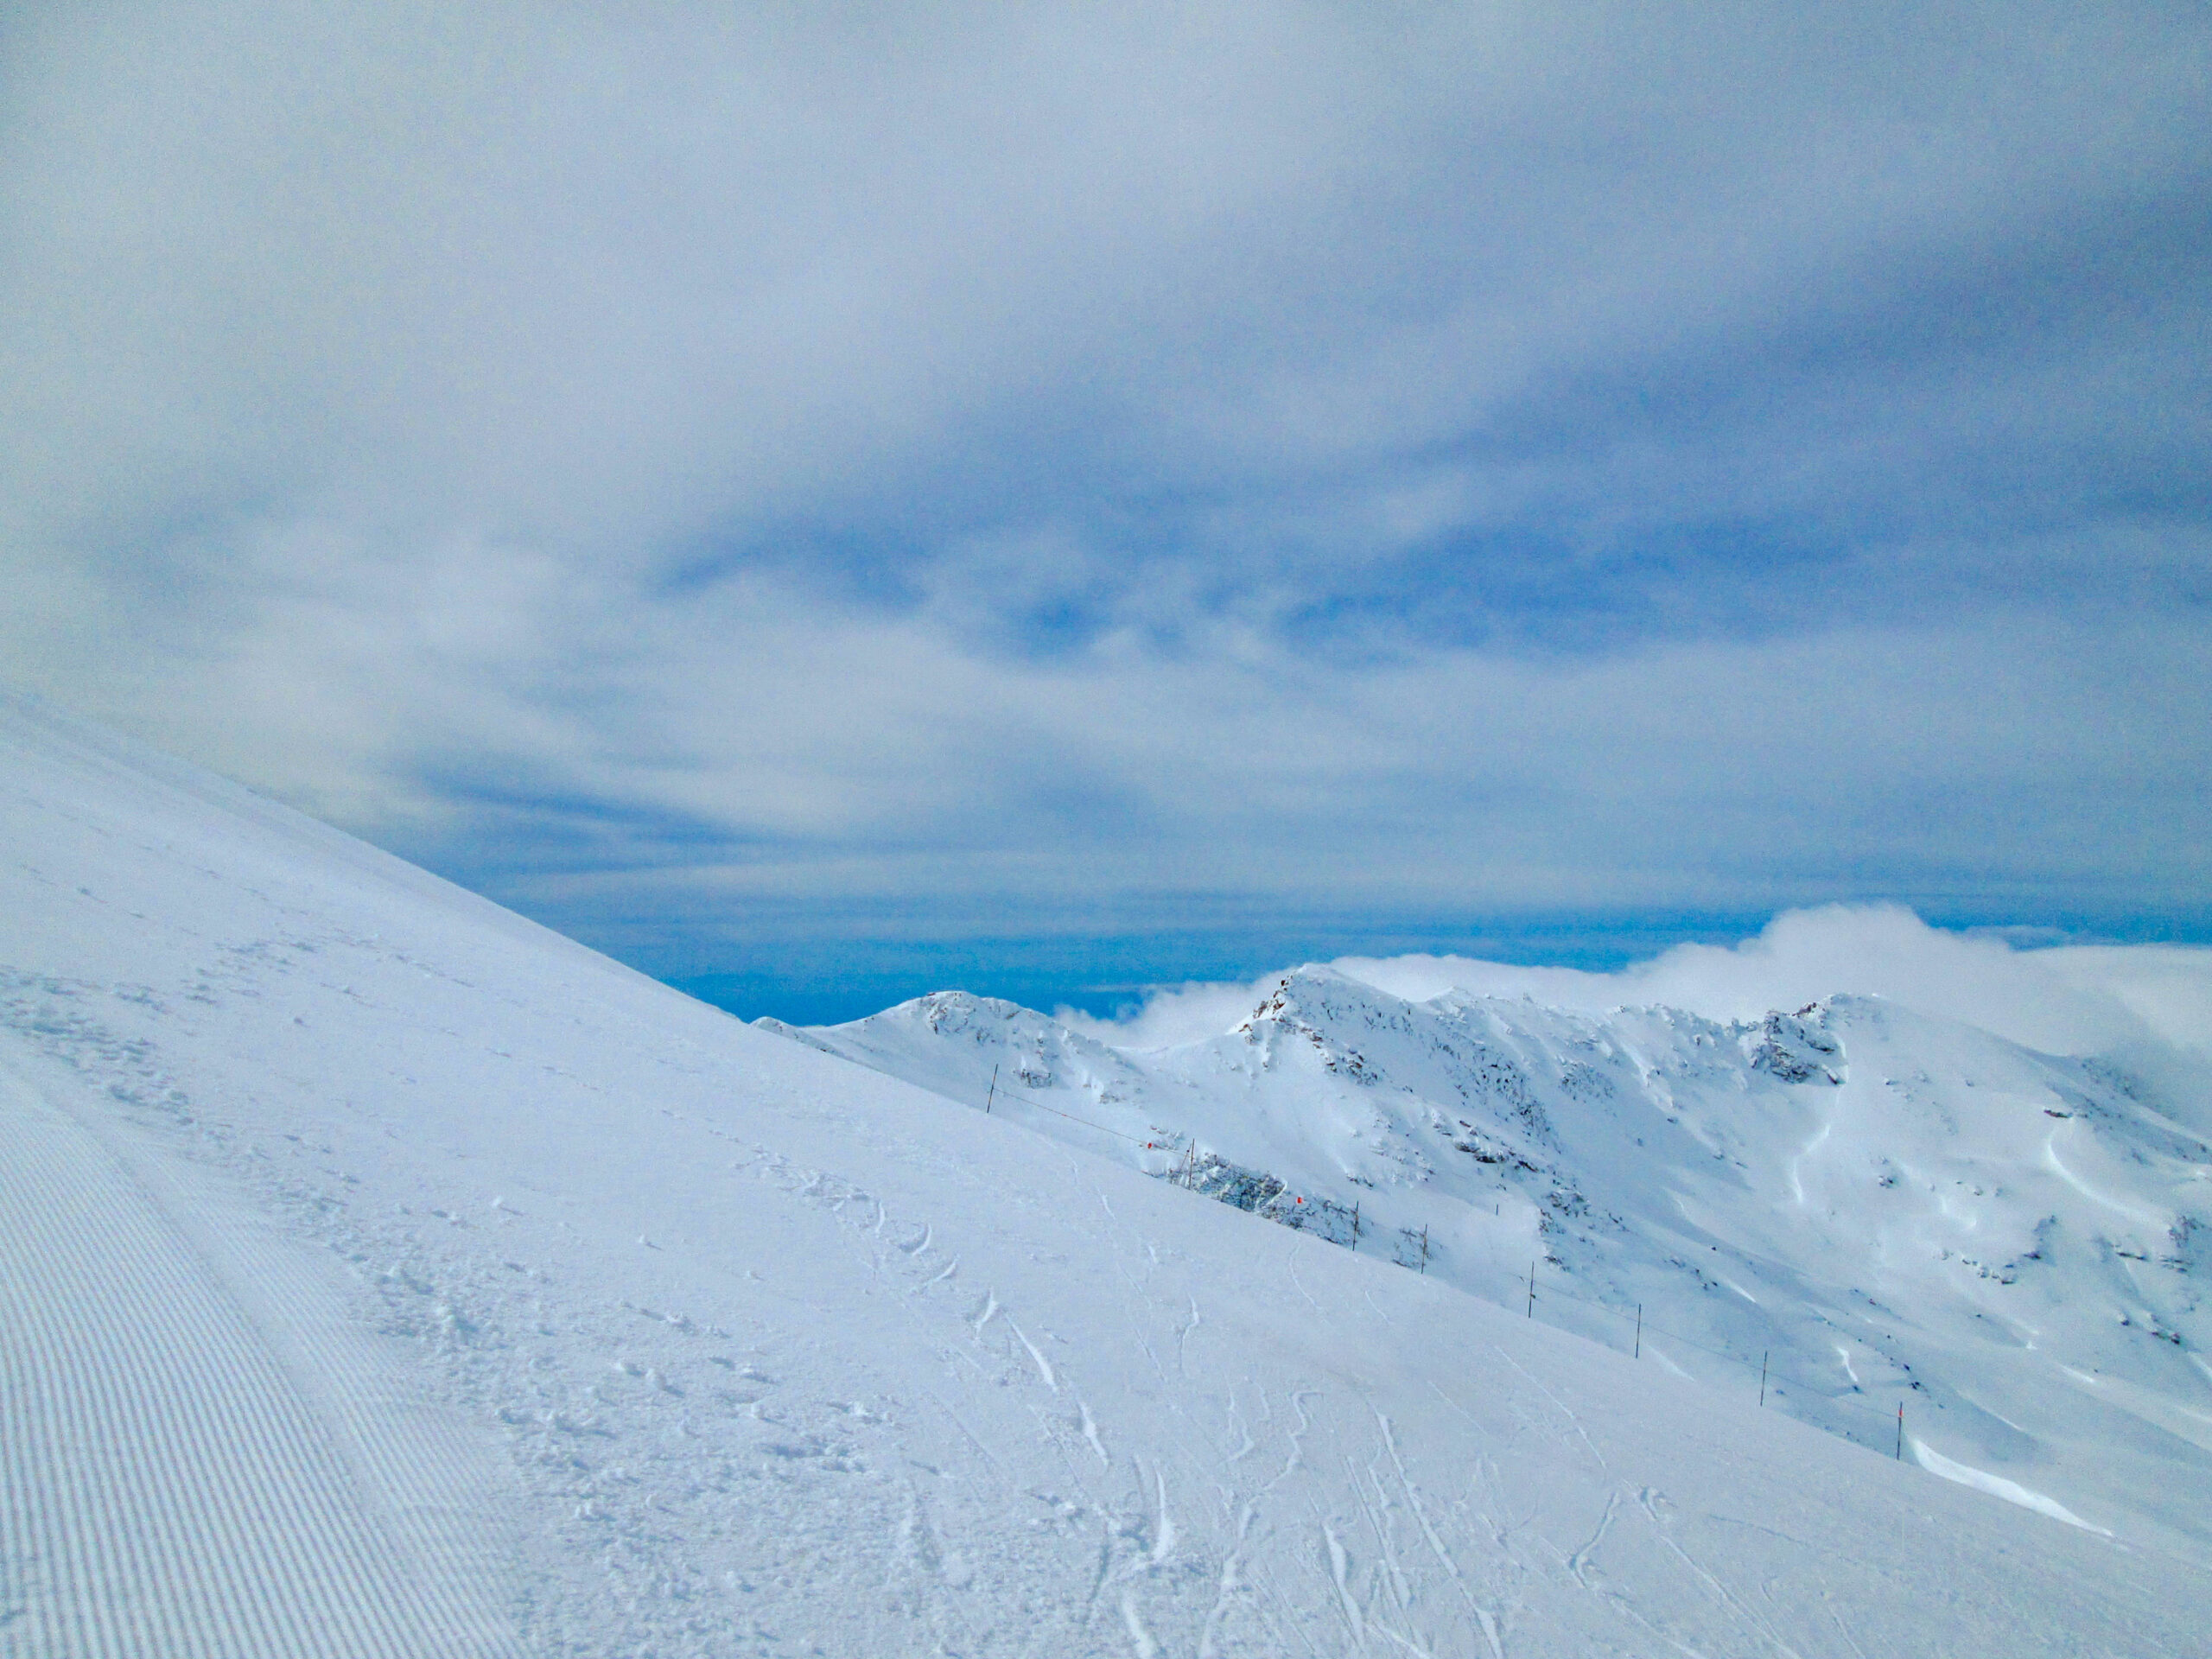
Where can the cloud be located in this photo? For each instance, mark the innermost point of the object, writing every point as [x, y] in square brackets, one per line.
[1141, 469]
[2152, 1002]
[2060, 1000]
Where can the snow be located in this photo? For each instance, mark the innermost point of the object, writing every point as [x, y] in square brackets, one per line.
[385, 1275]
[1997, 1486]
[1842, 1208]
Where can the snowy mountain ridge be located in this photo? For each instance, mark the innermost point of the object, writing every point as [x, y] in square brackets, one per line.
[1864, 1205]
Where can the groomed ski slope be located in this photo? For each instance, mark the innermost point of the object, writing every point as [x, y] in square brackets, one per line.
[385, 1275]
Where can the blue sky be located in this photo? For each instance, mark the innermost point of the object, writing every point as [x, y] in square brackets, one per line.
[827, 503]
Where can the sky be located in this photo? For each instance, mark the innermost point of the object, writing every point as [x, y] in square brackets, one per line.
[826, 503]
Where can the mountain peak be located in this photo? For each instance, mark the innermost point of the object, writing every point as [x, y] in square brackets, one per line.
[1796, 1047]
[1859, 1197]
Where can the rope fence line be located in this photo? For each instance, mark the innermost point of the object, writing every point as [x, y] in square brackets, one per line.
[1038, 1106]
[1774, 1376]
[1769, 1378]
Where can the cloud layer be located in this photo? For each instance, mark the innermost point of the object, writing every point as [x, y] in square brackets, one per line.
[714, 477]
[2148, 1005]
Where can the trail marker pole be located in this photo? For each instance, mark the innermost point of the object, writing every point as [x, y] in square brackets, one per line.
[994, 1095]
[1638, 1354]
[1424, 1250]
[1900, 1431]
[1762, 1353]
[1355, 1224]
[1532, 1290]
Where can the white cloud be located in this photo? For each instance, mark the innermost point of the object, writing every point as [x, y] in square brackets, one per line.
[2150, 1002]
[806, 750]
[2062, 1001]
[1155, 462]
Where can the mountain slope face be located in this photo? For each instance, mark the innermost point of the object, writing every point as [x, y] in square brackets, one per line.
[1841, 1209]
[383, 1275]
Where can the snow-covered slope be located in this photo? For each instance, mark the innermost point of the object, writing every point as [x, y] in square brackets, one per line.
[1864, 1206]
[381, 1275]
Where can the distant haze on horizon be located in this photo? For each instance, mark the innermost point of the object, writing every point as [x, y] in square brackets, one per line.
[824, 504]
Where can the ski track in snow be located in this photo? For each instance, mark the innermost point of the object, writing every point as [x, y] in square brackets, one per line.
[1375, 1595]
